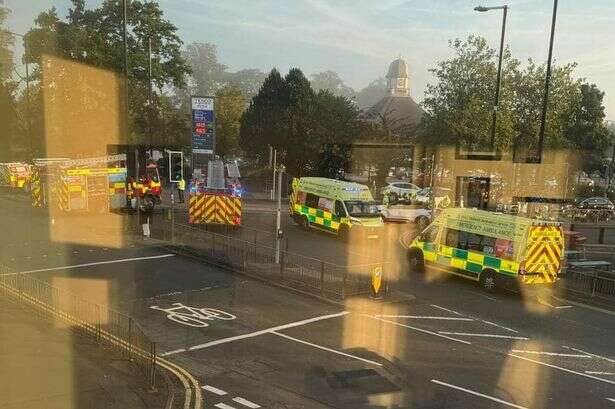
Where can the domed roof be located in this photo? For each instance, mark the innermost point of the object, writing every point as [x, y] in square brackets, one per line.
[398, 69]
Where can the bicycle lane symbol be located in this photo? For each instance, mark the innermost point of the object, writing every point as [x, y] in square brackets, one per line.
[194, 316]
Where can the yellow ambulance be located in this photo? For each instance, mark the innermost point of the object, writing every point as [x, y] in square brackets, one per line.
[497, 250]
[335, 206]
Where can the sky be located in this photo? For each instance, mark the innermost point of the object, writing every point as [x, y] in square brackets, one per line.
[359, 38]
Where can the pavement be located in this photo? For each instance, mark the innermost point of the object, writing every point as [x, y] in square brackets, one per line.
[254, 345]
[46, 366]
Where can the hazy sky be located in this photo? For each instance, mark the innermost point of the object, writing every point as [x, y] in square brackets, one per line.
[359, 38]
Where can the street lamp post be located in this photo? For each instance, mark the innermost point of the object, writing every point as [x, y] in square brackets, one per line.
[498, 81]
[545, 101]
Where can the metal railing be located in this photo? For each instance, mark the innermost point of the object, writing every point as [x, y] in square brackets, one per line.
[107, 326]
[294, 270]
[593, 282]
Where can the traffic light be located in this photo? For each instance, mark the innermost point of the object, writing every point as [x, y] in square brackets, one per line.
[176, 166]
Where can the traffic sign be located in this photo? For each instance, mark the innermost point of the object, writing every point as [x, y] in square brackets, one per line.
[203, 125]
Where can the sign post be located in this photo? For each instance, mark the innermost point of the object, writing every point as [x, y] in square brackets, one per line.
[203, 138]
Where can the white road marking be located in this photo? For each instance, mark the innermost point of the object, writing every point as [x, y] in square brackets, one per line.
[563, 369]
[543, 302]
[325, 348]
[122, 260]
[459, 388]
[224, 406]
[214, 390]
[424, 317]
[420, 330]
[175, 351]
[500, 326]
[261, 332]
[589, 307]
[599, 373]
[550, 353]
[611, 399]
[471, 334]
[246, 402]
[445, 309]
[589, 353]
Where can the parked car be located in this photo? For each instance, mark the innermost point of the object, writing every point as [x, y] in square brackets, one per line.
[404, 212]
[400, 189]
[596, 203]
[442, 196]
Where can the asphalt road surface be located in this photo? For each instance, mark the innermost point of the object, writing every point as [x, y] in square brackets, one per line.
[252, 345]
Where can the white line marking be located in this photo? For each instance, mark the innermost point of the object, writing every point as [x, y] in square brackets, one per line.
[421, 330]
[563, 369]
[500, 326]
[550, 353]
[543, 302]
[123, 260]
[445, 309]
[589, 353]
[611, 399]
[471, 334]
[224, 406]
[599, 373]
[246, 402]
[423, 317]
[214, 390]
[264, 331]
[589, 307]
[459, 388]
[325, 348]
[175, 351]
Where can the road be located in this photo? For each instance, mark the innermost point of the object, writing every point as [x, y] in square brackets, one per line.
[252, 345]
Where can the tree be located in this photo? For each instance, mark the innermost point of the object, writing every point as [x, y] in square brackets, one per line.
[93, 37]
[459, 103]
[308, 129]
[9, 124]
[208, 75]
[588, 130]
[248, 81]
[331, 81]
[230, 105]
[370, 95]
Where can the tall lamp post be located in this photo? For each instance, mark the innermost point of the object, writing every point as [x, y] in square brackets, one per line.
[545, 101]
[498, 81]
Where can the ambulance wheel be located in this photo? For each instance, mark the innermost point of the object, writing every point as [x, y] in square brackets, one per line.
[487, 281]
[416, 263]
[305, 223]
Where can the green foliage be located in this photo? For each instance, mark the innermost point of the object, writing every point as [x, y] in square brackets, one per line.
[300, 123]
[94, 37]
[371, 94]
[459, 104]
[230, 105]
[331, 81]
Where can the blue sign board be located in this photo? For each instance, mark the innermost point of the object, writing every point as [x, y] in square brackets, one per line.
[203, 125]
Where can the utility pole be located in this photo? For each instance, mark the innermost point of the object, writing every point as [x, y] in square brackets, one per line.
[278, 219]
[275, 157]
[545, 101]
[125, 41]
[150, 103]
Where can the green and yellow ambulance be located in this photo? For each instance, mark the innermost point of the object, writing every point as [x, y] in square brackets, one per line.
[497, 250]
[334, 206]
